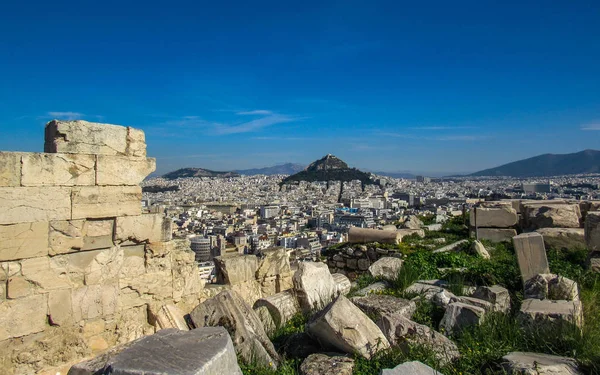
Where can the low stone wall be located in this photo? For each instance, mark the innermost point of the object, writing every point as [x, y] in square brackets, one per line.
[352, 261]
[80, 265]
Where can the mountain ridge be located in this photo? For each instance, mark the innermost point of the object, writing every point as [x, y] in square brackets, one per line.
[198, 172]
[285, 168]
[329, 168]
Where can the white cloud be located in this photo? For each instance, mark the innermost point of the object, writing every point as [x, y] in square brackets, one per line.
[65, 115]
[262, 112]
[591, 127]
[441, 127]
[222, 128]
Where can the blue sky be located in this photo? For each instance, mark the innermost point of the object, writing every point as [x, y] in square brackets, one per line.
[385, 85]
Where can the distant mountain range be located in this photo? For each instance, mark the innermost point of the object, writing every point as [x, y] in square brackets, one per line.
[329, 168]
[287, 168]
[548, 165]
[198, 172]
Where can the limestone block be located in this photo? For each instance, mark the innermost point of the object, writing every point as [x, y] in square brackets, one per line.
[167, 316]
[143, 228]
[273, 262]
[65, 236]
[282, 306]
[330, 328]
[539, 364]
[413, 222]
[17, 287]
[266, 319]
[503, 216]
[28, 204]
[10, 169]
[386, 268]
[106, 201]
[378, 305]
[531, 254]
[236, 269]
[186, 279]
[134, 263]
[104, 267]
[342, 282]
[318, 364]
[205, 351]
[131, 324]
[403, 332]
[314, 285]
[122, 170]
[98, 234]
[485, 305]
[498, 296]
[58, 169]
[551, 286]
[92, 301]
[592, 231]
[549, 315]
[25, 240]
[480, 250]
[227, 309]
[136, 142]
[60, 307]
[364, 235]
[23, 316]
[459, 316]
[563, 238]
[41, 273]
[139, 290]
[250, 291]
[411, 368]
[373, 288]
[540, 215]
[82, 137]
[496, 234]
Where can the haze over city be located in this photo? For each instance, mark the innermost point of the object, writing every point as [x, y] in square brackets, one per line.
[386, 86]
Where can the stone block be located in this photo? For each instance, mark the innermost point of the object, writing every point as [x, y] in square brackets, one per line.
[342, 282]
[93, 301]
[551, 286]
[266, 319]
[314, 285]
[378, 305]
[592, 231]
[41, 273]
[273, 262]
[548, 215]
[531, 254]
[318, 364]
[106, 201]
[83, 137]
[167, 316]
[60, 307]
[143, 228]
[386, 268]
[25, 240]
[459, 316]
[373, 288]
[29, 204]
[282, 306]
[331, 328]
[236, 269]
[136, 142]
[550, 315]
[65, 236]
[496, 234]
[134, 263]
[498, 296]
[23, 316]
[58, 170]
[411, 368]
[563, 238]
[17, 287]
[365, 235]
[10, 169]
[98, 234]
[537, 363]
[503, 216]
[122, 170]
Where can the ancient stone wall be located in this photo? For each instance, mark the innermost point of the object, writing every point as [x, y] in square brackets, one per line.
[353, 261]
[81, 268]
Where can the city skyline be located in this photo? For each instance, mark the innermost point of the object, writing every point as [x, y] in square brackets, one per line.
[385, 87]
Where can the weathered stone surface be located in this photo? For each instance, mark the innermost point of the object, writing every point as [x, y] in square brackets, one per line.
[17, 287]
[41, 273]
[122, 170]
[386, 268]
[411, 368]
[427, 288]
[314, 285]
[498, 296]
[496, 234]
[480, 250]
[106, 201]
[58, 169]
[136, 142]
[373, 288]
[551, 286]
[82, 137]
[266, 319]
[365, 235]
[203, 351]
[236, 269]
[342, 282]
[249, 338]
[592, 231]
[413, 222]
[92, 301]
[319, 364]
[563, 238]
[378, 305]
[403, 333]
[460, 315]
[341, 325]
[60, 310]
[451, 247]
[23, 316]
[282, 306]
[502, 216]
[548, 314]
[443, 298]
[25, 240]
[167, 316]
[143, 228]
[10, 169]
[485, 305]
[67, 236]
[540, 215]
[273, 262]
[28, 204]
[531, 254]
[539, 364]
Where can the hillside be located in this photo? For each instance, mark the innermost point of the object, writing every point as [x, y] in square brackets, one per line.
[547, 165]
[329, 168]
[287, 168]
[198, 172]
